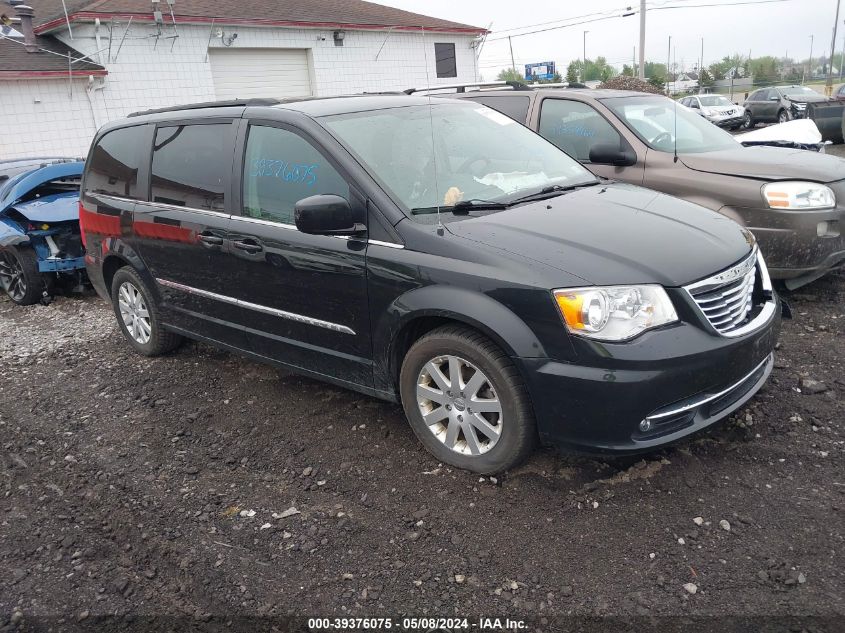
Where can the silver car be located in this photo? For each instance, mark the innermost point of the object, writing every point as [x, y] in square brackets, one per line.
[716, 109]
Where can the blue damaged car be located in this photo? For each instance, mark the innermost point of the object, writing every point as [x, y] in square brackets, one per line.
[41, 248]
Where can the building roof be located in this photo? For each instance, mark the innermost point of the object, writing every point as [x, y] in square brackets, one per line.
[351, 14]
[17, 63]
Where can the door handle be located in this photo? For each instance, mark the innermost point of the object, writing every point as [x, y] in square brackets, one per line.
[212, 240]
[247, 245]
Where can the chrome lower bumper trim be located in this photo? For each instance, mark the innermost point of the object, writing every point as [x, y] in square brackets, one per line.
[709, 398]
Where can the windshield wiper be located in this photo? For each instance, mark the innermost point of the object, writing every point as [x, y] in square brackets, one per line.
[463, 207]
[551, 191]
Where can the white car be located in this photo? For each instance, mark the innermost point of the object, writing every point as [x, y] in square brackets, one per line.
[716, 109]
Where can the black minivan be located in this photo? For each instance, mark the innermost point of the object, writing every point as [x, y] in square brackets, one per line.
[433, 253]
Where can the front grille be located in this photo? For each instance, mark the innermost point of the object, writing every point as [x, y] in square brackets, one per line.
[727, 298]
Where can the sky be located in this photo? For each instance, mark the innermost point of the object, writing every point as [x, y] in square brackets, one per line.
[778, 28]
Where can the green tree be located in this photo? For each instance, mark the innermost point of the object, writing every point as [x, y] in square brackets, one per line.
[705, 79]
[572, 72]
[658, 81]
[655, 69]
[765, 70]
[627, 71]
[510, 74]
[556, 79]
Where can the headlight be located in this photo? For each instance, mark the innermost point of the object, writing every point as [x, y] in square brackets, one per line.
[798, 195]
[614, 313]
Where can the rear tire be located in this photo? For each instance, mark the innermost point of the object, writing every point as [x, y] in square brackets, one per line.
[499, 433]
[19, 275]
[138, 315]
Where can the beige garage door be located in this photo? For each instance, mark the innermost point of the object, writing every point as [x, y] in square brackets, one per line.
[260, 72]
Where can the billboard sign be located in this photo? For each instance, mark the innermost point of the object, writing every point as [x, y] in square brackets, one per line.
[541, 70]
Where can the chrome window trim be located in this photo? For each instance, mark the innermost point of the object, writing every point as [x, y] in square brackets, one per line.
[386, 244]
[176, 207]
[711, 397]
[292, 316]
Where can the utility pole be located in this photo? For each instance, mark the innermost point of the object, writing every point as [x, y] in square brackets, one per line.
[828, 87]
[668, 56]
[810, 64]
[584, 56]
[634, 63]
[513, 63]
[642, 40]
[701, 68]
[842, 59]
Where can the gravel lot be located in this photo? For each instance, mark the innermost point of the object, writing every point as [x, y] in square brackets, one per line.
[205, 486]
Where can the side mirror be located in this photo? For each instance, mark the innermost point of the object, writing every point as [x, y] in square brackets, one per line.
[610, 154]
[694, 105]
[325, 214]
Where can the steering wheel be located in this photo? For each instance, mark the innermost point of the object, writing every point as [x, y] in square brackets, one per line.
[660, 138]
[469, 162]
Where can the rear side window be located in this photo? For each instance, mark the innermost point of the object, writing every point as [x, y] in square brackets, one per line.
[280, 169]
[575, 127]
[191, 164]
[514, 107]
[114, 163]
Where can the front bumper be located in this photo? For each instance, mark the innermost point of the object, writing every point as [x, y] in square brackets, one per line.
[731, 120]
[798, 243]
[682, 379]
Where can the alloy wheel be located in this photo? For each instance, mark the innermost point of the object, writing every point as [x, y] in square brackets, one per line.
[11, 276]
[459, 405]
[783, 117]
[133, 311]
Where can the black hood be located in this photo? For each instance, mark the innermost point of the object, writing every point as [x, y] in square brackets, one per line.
[615, 234]
[769, 163]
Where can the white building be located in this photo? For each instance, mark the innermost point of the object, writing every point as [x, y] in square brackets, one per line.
[102, 60]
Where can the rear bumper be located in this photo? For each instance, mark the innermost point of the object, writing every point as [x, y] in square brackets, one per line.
[680, 380]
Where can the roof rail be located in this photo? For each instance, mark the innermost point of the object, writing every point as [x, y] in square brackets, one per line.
[516, 85]
[210, 104]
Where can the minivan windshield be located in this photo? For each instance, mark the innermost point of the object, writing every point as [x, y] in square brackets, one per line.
[463, 159]
[653, 119]
[714, 100]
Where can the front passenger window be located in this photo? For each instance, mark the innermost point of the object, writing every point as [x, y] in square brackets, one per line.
[575, 127]
[280, 169]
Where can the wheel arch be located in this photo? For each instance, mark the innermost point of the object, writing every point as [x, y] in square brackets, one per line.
[420, 311]
[116, 256]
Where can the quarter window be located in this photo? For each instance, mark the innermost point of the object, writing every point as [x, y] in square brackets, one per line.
[190, 165]
[280, 169]
[115, 160]
[575, 127]
[514, 107]
[447, 65]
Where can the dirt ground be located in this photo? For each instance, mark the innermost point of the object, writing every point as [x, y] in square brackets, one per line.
[203, 486]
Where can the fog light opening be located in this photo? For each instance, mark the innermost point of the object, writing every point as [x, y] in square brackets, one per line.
[645, 426]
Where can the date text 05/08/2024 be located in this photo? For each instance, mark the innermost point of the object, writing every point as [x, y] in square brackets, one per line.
[416, 624]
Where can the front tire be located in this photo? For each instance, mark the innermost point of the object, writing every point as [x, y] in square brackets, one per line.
[783, 116]
[466, 401]
[19, 275]
[748, 121]
[138, 315]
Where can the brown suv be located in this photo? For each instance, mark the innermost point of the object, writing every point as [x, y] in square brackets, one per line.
[792, 200]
